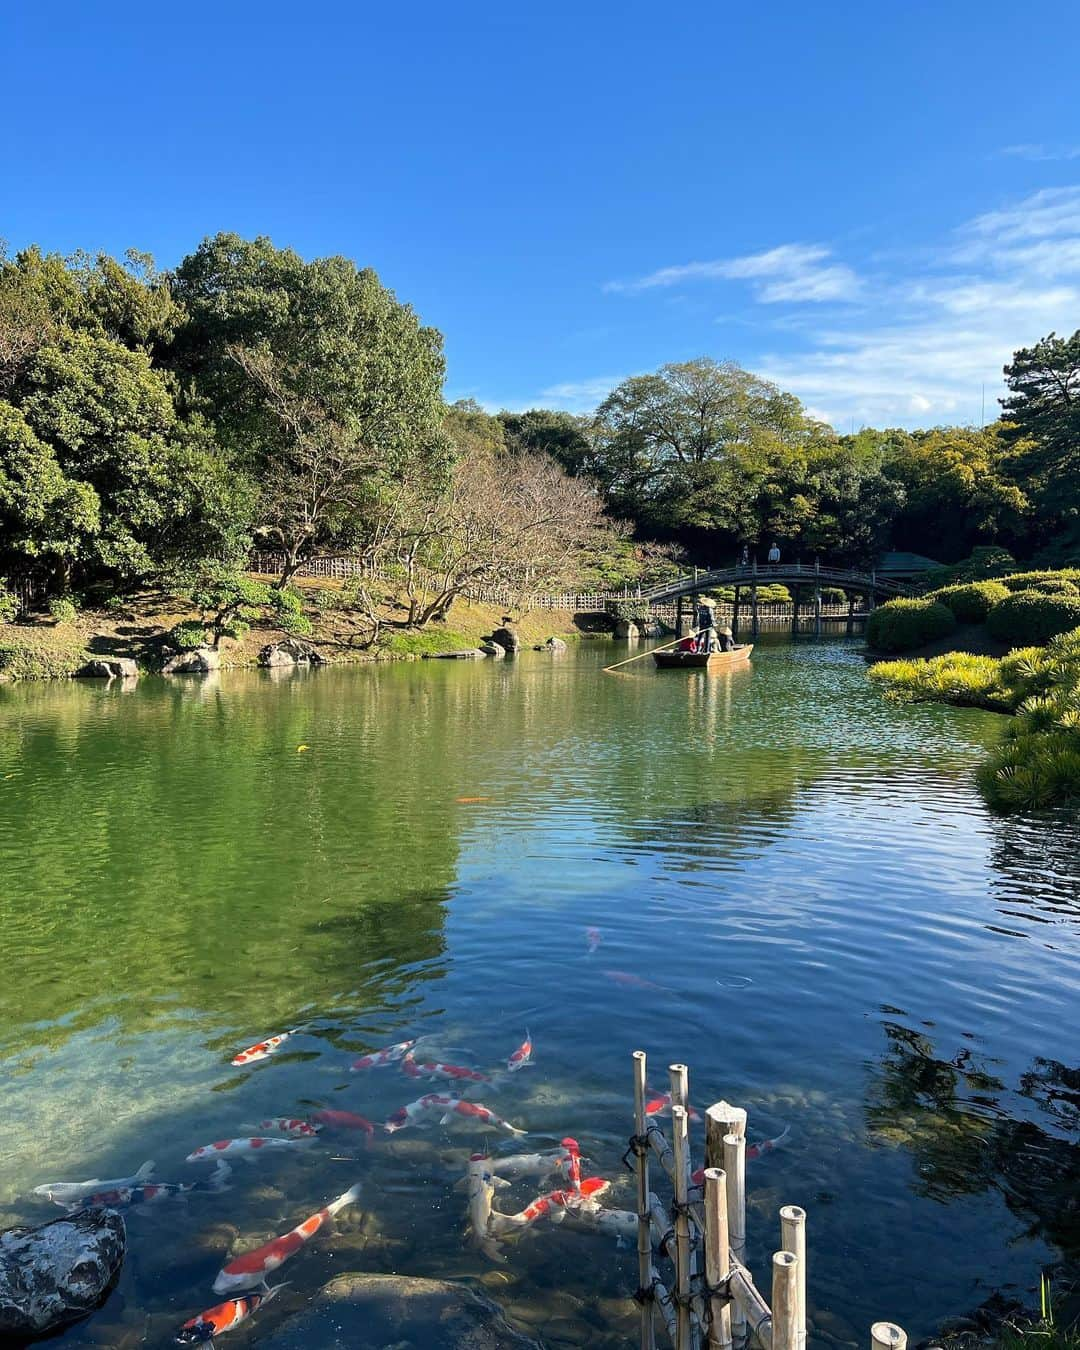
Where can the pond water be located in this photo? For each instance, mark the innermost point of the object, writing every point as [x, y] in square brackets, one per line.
[840, 938]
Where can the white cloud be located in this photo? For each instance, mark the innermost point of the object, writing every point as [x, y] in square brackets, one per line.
[1041, 153]
[793, 273]
[579, 395]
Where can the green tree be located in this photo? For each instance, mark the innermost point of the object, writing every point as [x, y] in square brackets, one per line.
[1043, 413]
[559, 434]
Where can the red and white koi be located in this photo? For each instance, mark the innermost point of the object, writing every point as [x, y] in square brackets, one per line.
[411, 1067]
[752, 1151]
[522, 1055]
[661, 1106]
[247, 1148]
[553, 1205]
[262, 1049]
[224, 1317]
[252, 1268]
[378, 1059]
[290, 1125]
[473, 1111]
[414, 1111]
[565, 1160]
[342, 1120]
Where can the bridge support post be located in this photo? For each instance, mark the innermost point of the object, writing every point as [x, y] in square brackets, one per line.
[851, 613]
[794, 609]
[735, 612]
[817, 597]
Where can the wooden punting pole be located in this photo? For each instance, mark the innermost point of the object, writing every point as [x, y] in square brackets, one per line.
[644, 1205]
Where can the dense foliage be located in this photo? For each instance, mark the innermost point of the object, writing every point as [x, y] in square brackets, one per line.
[902, 625]
[972, 601]
[1030, 617]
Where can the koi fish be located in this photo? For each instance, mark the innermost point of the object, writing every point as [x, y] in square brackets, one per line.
[752, 1151]
[411, 1113]
[593, 938]
[225, 1317]
[454, 1073]
[469, 801]
[262, 1049]
[378, 1059]
[71, 1192]
[621, 1224]
[243, 1148]
[522, 1055]
[571, 1160]
[481, 1185]
[296, 1129]
[343, 1120]
[152, 1192]
[661, 1106]
[301, 748]
[565, 1160]
[629, 981]
[554, 1204]
[253, 1267]
[474, 1111]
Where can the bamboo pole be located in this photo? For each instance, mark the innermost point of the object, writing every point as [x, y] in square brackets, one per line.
[682, 1230]
[644, 1234]
[735, 1171]
[785, 1297]
[793, 1239]
[721, 1118]
[717, 1257]
[679, 1079]
[660, 1146]
[642, 655]
[663, 1300]
[887, 1336]
[748, 1303]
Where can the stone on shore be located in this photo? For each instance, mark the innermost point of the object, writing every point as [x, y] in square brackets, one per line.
[626, 630]
[368, 1312]
[468, 654]
[493, 649]
[59, 1272]
[110, 668]
[291, 652]
[199, 661]
[507, 638]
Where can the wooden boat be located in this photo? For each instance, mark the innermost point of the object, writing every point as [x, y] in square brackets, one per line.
[711, 661]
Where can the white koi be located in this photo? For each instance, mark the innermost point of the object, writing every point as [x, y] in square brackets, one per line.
[70, 1192]
[481, 1193]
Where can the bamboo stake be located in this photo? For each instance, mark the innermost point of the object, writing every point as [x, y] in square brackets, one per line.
[793, 1239]
[682, 1230]
[663, 1300]
[721, 1118]
[749, 1304]
[785, 1301]
[679, 1077]
[660, 1146]
[717, 1256]
[644, 1234]
[887, 1336]
[735, 1170]
[642, 655]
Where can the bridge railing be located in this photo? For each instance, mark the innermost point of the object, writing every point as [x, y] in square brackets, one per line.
[796, 573]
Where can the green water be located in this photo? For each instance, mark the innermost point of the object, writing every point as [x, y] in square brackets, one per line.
[843, 940]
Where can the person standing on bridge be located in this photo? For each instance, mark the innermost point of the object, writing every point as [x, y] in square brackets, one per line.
[744, 556]
[774, 552]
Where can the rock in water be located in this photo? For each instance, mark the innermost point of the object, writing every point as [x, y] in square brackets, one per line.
[291, 652]
[508, 640]
[110, 668]
[58, 1272]
[366, 1312]
[200, 661]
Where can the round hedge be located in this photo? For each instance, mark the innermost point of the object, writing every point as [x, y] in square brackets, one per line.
[973, 602]
[1032, 618]
[901, 625]
[1043, 581]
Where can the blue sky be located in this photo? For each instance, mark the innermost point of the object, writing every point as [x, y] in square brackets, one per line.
[871, 204]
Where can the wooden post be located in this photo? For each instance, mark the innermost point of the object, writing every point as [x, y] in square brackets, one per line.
[817, 597]
[721, 1118]
[644, 1234]
[850, 613]
[793, 1239]
[735, 1171]
[887, 1336]
[785, 1327]
[795, 609]
[717, 1256]
[682, 1229]
[871, 595]
[735, 613]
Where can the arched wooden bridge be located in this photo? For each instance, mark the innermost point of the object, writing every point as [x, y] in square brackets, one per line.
[854, 582]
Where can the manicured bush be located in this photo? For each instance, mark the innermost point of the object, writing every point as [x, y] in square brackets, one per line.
[955, 677]
[984, 564]
[901, 625]
[971, 603]
[62, 610]
[1030, 618]
[9, 603]
[1061, 579]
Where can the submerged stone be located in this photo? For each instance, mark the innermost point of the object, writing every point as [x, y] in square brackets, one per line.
[198, 662]
[59, 1272]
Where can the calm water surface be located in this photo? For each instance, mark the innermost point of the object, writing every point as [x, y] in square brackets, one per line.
[844, 941]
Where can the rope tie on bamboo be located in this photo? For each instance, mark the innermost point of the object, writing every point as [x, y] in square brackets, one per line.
[639, 1145]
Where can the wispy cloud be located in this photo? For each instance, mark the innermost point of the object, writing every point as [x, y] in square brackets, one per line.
[1041, 153]
[580, 395]
[789, 273]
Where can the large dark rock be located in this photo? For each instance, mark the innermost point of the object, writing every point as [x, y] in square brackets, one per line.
[508, 639]
[626, 630]
[200, 661]
[368, 1312]
[291, 652]
[468, 654]
[110, 668]
[58, 1272]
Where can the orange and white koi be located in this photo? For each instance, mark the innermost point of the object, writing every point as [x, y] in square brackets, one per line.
[246, 1148]
[378, 1059]
[752, 1151]
[553, 1205]
[475, 1112]
[225, 1317]
[253, 1267]
[661, 1106]
[454, 1073]
[343, 1120]
[262, 1049]
[522, 1055]
[565, 1160]
[414, 1111]
[292, 1126]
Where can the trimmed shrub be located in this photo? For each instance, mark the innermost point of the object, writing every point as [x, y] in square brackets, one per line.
[9, 604]
[901, 625]
[61, 610]
[1051, 582]
[1030, 618]
[971, 603]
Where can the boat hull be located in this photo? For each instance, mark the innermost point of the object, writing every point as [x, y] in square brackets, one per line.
[711, 661]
